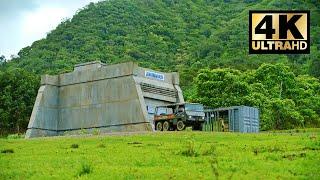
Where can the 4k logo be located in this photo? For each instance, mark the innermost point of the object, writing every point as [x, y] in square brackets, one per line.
[279, 32]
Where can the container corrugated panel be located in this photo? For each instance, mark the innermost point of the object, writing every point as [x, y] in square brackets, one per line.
[248, 119]
[231, 120]
[236, 120]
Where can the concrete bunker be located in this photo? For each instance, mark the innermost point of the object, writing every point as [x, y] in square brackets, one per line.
[107, 98]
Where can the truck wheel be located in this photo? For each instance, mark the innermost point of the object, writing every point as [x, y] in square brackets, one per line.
[180, 125]
[166, 126]
[159, 126]
[197, 127]
[201, 127]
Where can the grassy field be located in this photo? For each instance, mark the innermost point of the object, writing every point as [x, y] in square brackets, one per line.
[173, 155]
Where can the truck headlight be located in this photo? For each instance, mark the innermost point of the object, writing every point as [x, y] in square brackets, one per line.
[202, 117]
[190, 117]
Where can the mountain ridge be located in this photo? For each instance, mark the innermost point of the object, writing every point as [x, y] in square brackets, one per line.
[164, 35]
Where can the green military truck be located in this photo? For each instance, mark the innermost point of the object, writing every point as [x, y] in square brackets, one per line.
[179, 116]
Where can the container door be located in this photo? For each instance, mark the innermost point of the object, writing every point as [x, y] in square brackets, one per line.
[236, 120]
[255, 120]
[252, 117]
[247, 119]
[231, 120]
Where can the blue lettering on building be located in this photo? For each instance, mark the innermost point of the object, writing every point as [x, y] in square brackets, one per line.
[154, 75]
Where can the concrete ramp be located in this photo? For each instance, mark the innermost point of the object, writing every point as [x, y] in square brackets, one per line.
[96, 97]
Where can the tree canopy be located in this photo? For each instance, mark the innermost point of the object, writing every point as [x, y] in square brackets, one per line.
[167, 35]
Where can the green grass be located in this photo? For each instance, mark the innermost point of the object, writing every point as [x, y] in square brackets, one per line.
[173, 155]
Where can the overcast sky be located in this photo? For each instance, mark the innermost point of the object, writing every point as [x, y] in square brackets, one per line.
[25, 21]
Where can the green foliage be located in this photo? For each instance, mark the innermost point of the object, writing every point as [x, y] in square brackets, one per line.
[17, 95]
[101, 145]
[86, 168]
[220, 87]
[190, 150]
[7, 151]
[15, 136]
[96, 132]
[2, 60]
[285, 100]
[74, 146]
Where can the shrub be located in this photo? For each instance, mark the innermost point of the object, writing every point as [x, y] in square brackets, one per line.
[96, 132]
[135, 142]
[15, 136]
[7, 151]
[83, 132]
[214, 166]
[85, 169]
[210, 151]
[74, 146]
[101, 145]
[191, 150]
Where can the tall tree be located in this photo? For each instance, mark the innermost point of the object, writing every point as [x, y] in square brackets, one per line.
[18, 89]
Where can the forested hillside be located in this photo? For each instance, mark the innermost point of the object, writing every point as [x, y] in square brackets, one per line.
[163, 34]
[167, 35]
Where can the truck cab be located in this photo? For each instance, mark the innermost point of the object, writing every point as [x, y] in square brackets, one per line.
[179, 116]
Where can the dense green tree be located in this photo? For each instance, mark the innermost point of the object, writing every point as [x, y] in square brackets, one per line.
[307, 98]
[18, 89]
[315, 68]
[2, 60]
[221, 87]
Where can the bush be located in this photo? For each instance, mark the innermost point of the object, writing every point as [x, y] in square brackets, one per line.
[96, 132]
[85, 169]
[15, 136]
[9, 151]
[101, 145]
[83, 132]
[74, 146]
[210, 151]
[191, 150]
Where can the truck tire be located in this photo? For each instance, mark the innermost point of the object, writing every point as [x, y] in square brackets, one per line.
[197, 127]
[166, 126]
[180, 125]
[201, 127]
[159, 126]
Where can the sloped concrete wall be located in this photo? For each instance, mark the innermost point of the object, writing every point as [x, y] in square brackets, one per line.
[112, 104]
[44, 117]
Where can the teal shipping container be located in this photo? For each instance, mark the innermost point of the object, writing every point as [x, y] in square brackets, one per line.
[232, 119]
